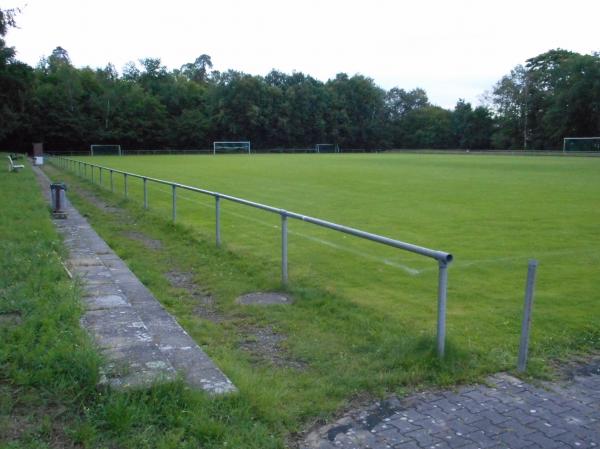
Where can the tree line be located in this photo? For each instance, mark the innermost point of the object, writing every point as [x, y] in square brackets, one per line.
[553, 95]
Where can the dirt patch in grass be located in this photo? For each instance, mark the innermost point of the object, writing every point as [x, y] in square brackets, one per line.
[265, 345]
[34, 425]
[10, 319]
[148, 242]
[99, 202]
[205, 302]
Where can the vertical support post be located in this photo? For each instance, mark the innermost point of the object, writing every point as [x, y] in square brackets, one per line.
[284, 249]
[145, 193]
[526, 324]
[100, 176]
[112, 184]
[174, 202]
[442, 295]
[92, 169]
[125, 185]
[218, 220]
[85, 170]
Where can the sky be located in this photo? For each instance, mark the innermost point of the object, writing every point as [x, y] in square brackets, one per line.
[453, 49]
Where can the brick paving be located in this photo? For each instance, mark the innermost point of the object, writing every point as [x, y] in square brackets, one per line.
[504, 413]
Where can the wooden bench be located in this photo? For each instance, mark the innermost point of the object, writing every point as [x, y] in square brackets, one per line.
[12, 166]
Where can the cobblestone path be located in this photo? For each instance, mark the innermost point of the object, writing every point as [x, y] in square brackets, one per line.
[505, 413]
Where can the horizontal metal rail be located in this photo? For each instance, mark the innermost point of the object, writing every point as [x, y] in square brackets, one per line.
[442, 257]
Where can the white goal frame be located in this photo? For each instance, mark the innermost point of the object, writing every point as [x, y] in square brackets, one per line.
[580, 138]
[336, 148]
[116, 147]
[232, 145]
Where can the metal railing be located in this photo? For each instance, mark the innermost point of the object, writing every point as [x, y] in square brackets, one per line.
[443, 258]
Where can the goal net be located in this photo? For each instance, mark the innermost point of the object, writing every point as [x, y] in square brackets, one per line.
[231, 147]
[327, 148]
[573, 144]
[103, 150]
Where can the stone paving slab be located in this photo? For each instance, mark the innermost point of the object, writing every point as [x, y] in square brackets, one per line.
[504, 413]
[141, 341]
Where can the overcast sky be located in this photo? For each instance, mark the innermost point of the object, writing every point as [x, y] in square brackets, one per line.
[453, 49]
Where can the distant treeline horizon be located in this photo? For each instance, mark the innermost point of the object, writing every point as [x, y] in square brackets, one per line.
[554, 95]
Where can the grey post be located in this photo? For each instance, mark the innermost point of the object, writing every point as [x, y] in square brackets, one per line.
[218, 220]
[112, 185]
[100, 176]
[92, 169]
[145, 193]
[174, 188]
[526, 325]
[284, 248]
[125, 185]
[442, 295]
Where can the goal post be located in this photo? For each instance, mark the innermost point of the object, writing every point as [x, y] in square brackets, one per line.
[105, 150]
[327, 148]
[231, 147]
[583, 144]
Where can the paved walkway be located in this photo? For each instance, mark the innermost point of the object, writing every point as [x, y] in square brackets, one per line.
[507, 413]
[140, 340]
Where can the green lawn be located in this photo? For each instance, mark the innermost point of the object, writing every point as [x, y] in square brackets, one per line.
[492, 213]
[364, 316]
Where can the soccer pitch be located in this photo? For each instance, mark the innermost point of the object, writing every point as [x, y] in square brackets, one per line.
[492, 213]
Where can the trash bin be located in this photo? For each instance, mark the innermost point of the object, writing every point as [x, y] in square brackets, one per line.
[59, 199]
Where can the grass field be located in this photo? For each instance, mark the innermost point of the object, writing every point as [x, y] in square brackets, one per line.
[364, 316]
[492, 213]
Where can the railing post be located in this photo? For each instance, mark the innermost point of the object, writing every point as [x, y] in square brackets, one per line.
[218, 220]
[92, 169]
[284, 249]
[145, 193]
[442, 294]
[112, 185]
[174, 202]
[526, 324]
[85, 170]
[125, 184]
[100, 176]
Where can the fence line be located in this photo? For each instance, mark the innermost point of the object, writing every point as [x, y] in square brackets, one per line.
[443, 258]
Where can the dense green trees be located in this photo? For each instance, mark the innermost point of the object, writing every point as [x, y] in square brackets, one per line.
[556, 94]
[553, 95]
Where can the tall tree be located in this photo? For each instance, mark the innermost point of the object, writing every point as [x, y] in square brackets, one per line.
[16, 81]
[198, 70]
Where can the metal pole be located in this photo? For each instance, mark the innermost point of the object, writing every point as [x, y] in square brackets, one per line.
[526, 325]
[174, 202]
[84, 170]
[218, 220]
[284, 249]
[112, 185]
[442, 295]
[125, 184]
[100, 180]
[145, 193]
[92, 168]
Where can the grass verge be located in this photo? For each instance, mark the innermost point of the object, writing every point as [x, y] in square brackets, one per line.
[49, 368]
